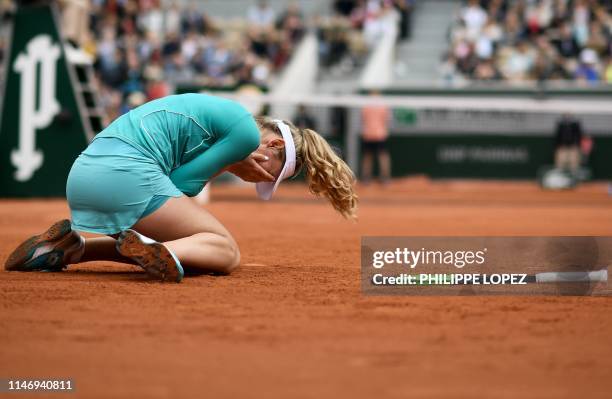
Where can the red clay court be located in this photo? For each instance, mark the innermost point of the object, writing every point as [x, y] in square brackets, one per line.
[292, 321]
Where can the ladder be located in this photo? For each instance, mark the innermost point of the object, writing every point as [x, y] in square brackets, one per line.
[80, 69]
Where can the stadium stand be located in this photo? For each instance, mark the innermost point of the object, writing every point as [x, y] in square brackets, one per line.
[143, 48]
[537, 40]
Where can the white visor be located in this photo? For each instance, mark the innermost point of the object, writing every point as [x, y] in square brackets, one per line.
[266, 189]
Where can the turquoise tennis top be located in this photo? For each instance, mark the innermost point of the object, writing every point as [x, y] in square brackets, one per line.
[191, 136]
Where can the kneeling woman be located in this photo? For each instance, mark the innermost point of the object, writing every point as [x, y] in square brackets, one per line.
[131, 184]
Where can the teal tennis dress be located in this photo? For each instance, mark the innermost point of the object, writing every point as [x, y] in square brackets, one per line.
[166, 148]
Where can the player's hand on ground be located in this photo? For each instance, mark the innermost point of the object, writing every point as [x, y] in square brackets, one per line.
[250, 169]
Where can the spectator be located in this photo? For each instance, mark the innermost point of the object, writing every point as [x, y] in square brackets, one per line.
[292, 22]
[539, 16]
[261, 14]
[303, 119]
[496, 10]
[380, 17]
[587, 71]
[371, 24]
[172, 19]
[484, 47]
[358, 15]
[345, 37]
[148, 45]
[548, 65]
[107, 45]
[514, 32]
[344, 7]
[156, 87]
[217, 60]
[493, 32]
[171, 46]
[486, 71]
[449, 70]
[466, 58]
[133, 80]
[581, 16]
[151, 18]
[566, 43]
[597, 39]
[111, 100]
[519, 61]
[333, 41]
[560, 14]
[567, 143]
[261, 72]
[136, 99]
[474, 18]
[404, 8]
[192, 19]
[113, 70]
[375, 119]
[176, 69]
[189, 45]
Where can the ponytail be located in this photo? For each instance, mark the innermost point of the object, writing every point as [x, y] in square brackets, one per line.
[327, 174]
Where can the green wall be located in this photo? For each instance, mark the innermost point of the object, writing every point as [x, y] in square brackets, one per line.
[485, 156]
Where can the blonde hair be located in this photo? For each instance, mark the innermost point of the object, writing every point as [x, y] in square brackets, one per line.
[326, 173]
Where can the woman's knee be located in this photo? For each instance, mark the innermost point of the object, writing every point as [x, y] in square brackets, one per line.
[228, 253]
[233, 256]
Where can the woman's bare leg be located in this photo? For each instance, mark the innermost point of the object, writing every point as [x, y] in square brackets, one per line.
[384, 164]
[196, 237]
[103, 248]
[366, 166]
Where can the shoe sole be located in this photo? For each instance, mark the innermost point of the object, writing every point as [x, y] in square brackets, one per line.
[154, 258]
[21, 258]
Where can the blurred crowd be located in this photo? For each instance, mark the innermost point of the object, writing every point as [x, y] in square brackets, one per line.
[142, 48]
[531, 40]
[354, 28]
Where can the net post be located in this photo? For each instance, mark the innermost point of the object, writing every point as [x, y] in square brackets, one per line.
[352, 140]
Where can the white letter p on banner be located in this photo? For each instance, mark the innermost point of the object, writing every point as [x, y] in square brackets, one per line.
[40, 50]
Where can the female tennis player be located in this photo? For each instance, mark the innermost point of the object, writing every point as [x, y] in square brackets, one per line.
[133, 182]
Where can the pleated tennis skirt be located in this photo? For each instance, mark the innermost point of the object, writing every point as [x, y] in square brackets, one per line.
[112, 185]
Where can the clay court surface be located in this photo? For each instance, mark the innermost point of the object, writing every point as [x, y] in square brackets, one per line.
[292, 321]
